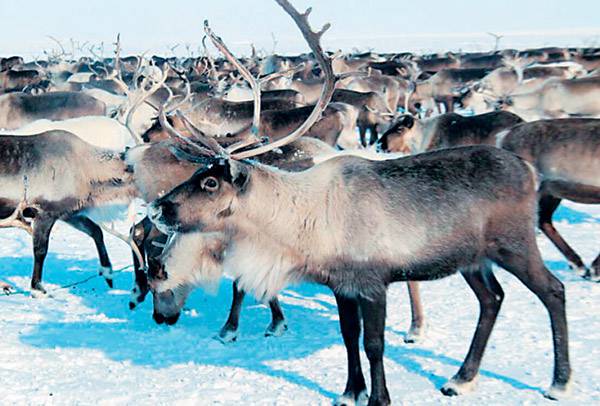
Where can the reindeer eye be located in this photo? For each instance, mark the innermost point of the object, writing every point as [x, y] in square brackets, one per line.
[210, 183]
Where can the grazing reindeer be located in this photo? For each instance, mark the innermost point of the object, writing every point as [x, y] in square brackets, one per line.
[566, 154]
[463, 208]
[160, 167]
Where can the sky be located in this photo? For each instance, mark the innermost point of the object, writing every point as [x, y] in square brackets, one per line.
[380, 24]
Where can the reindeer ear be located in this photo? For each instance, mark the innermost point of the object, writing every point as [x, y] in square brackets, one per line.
[239, 175]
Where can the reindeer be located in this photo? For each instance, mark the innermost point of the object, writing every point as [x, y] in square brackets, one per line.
[57, 176]
[18, 80]
[65, 175]
[556, 98]
[386, 86]
[10, 62]
[373, 112]
[446, 86]
[247, 210]
[18, 109]
[149, 161]
[410, 136]
[161, 166]
[566, 154]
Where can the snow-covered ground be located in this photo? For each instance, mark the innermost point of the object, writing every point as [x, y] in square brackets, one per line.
[84, 346]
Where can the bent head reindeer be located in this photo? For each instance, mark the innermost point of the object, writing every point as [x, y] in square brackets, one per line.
[437, 213]
[166, 158]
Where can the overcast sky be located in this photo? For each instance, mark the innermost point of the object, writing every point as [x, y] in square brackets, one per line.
[384, 25]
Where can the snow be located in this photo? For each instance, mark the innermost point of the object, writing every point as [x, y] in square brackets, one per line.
[82, 345]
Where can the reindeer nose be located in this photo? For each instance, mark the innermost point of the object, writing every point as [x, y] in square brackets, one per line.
[158, 318]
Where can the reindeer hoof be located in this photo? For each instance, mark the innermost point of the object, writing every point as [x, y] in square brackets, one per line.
[592, 275]
[38, 291]
[415, 334]
[138, 295]
[227, 336]
[456, 387]
[107, 273]
[276, 329]
[6, 288]
[582, 270]
[350, 400]
[558, 391]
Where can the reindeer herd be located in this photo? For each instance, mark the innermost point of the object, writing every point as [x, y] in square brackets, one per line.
[352, 171]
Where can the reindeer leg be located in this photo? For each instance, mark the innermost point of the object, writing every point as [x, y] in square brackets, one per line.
[362, 130]
[524, 261]
[595, 275]
[372, 134]
[490, 296]
[417, 324]
[373, 315]
[356, 389]
[547, 207]
[140, 288]
[87, 226]
[41, 235]
[229, 331]
[449, 104]
[278, 325]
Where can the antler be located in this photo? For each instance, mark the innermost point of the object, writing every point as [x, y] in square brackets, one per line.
[117, 64]
[313, 39]
[16, 218]
[143, 95]
[252, 81]
[210, 148]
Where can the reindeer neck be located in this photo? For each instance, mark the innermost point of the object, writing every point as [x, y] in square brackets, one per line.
[276, 197]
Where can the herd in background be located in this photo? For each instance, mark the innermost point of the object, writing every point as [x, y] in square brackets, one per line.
[284, 168]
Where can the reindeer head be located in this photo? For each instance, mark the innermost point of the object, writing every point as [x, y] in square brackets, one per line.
[187, 261]
[399, 137]
[207, 197]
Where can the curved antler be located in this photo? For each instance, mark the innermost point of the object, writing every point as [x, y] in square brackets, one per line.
[252, 81]
[313, 39]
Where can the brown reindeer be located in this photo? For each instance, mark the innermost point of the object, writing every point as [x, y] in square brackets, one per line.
[566, 154]
[557, 98]
[373, 112]
[270, 228]
[57, 176]
[18, 109]
[411, 136]
[18, 80]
